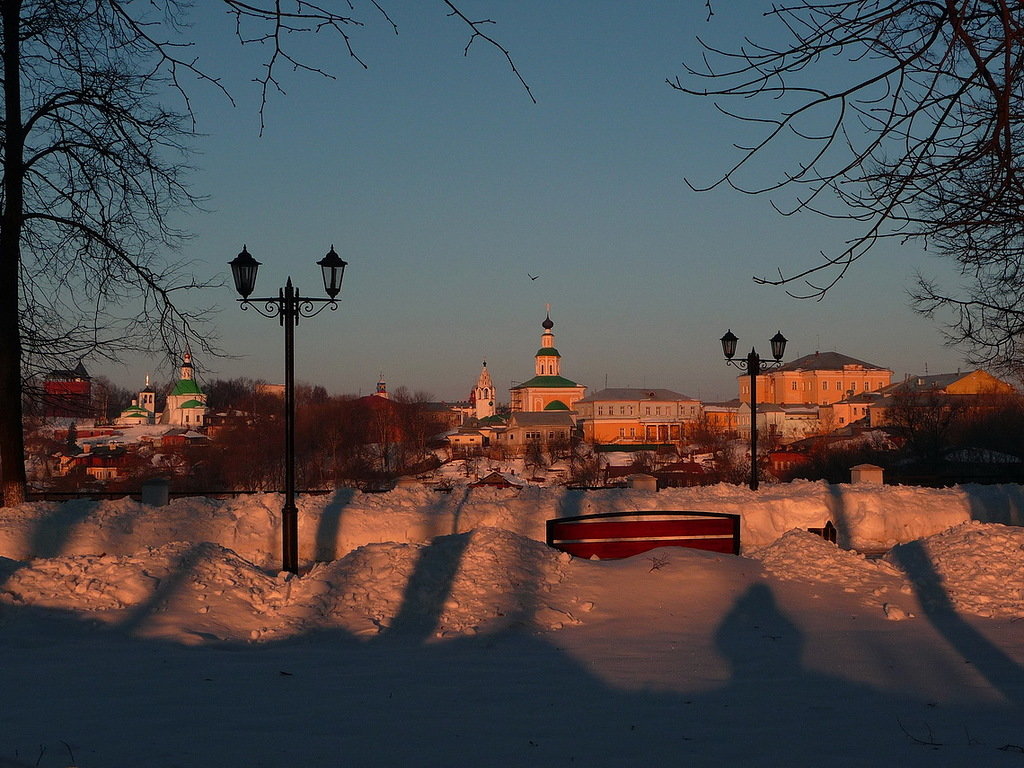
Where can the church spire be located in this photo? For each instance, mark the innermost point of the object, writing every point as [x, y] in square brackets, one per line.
[483, 394]
[548, 360]
[187, 370]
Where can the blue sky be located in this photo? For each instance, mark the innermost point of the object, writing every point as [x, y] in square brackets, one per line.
[443, 186]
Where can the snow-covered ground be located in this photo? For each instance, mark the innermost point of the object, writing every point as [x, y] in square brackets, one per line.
[438, 629]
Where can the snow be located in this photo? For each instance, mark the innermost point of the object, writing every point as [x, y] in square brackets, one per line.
[435, 628]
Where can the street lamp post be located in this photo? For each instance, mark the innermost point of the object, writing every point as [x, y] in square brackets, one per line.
[288, 306]
[754, 366]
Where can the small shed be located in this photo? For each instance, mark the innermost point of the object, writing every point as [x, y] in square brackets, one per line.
[867, 473]
[494, 480]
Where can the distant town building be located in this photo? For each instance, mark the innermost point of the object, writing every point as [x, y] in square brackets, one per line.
[142, 409]
[186, 403]
[548, 390]
[482, 399]
[820, 378]
[276, 390]
[543, 427]
[722, 417]
[783, 422]
[68, 393]
[636, 415]
[973, 389]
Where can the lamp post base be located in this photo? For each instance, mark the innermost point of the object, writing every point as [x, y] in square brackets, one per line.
[290, 538]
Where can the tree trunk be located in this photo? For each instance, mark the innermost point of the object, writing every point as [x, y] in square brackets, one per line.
[12, 440]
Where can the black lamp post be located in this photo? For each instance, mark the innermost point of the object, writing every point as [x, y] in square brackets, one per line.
[754, 367]
[288, 306]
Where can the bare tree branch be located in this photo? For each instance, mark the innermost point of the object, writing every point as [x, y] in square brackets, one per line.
[910, 112]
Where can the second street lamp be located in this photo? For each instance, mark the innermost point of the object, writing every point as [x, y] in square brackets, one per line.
[754, 367]
[288, 306]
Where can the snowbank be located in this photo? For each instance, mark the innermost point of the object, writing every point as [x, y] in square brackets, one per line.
[974, 568]
[485, 581]
[868, 517]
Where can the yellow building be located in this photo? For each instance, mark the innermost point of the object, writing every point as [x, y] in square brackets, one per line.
[548, 390]
[622, 415]
[722, 417]
[976, 388]
[821, 378]
[869, 409]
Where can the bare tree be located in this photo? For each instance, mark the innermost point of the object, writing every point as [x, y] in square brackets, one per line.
[585, 465]
[927, 420]
[94, 164]
[910, 115]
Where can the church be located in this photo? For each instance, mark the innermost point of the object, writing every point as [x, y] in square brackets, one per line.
[542, 408]
[186, 402]
[548, 390]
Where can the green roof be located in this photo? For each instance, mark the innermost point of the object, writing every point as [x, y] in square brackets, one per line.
[192, 404]
[186, 387]
[134, 410]
[553, 382]
[556, 405]
[548, 352]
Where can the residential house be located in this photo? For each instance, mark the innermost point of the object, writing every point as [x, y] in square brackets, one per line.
[102, 462]
[544, 427]
[722, 417]
[477, 434]
[784, 422]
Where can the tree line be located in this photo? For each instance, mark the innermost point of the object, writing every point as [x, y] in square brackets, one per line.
[340, 440]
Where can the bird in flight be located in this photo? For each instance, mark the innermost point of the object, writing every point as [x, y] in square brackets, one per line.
[532, 277]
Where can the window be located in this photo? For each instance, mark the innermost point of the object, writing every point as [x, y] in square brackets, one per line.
[648, 409]
[793, 386]
[824, 385]
[600, 410]
[632, 431]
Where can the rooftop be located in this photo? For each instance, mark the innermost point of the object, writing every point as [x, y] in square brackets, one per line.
[634, 393]
[828, 361]
[554, 382]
